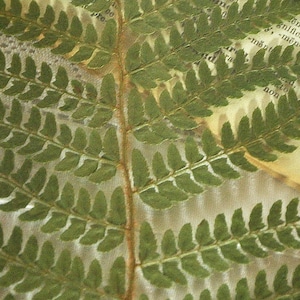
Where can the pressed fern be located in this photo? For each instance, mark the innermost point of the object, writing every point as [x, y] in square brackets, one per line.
[114, 185]
[214, 251]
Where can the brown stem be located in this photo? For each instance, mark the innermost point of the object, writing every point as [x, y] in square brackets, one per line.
[124, 146]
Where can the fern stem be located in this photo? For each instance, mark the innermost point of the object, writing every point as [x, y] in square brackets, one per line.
[124, 143]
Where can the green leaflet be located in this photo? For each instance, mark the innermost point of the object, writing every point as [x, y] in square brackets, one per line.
[221, 167]
[107, 90]
[15, 116]
[231, 252]
[148, 246]
[108, 37]
[46, 258]
[83, 204]
[110, 145]
[205, 295]
[209, 144]
[139, 169]
[112, 239]
[56, 222]
[99, 206]
[274, 215]
[38, 212]
[171, 270]
[19, 201]
[159, 168]
[202, 234]
[28, 284]
[223, 292]
[94, 275]
[13, 275]
[153, 274]
[261, 286]
[117, 277]
[117, 213]
[228, 140]
[280, 281]
[13, 246]
[7, 164]
[93, 235]
[174, 159]
[131, 10]
[135, 108]
[164, 196]
[220, 228]
[291, 214]
[255, 222]
[74, 231]
[213, 259]
[168, 243]
[6, 189]
[62, 22]
[185, 238]
[38, 180]
[192, 266]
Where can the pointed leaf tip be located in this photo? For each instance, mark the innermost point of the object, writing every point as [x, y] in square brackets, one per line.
[140, 169]
[117, 213]
[117, 277]
[148, 245]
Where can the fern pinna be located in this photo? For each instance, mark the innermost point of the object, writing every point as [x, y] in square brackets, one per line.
[95, 173]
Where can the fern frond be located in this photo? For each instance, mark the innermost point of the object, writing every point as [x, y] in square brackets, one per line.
[200, 254]
[30, 269]
[281, 288]
[211, 164]
[80, 216]
[271, 133]
[42, 140]
[183, 106]
[65, 34]
[27, 82]
[200, 36]
[145, 17]
[93, 166]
